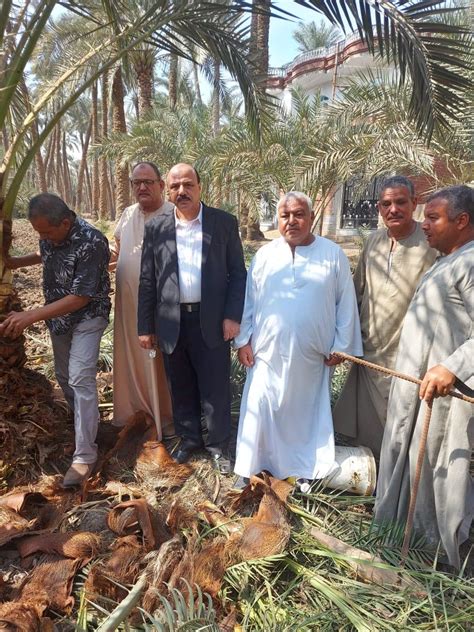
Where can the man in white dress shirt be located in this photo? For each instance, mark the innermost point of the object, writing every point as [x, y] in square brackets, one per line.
[192, 286]
[300, 307]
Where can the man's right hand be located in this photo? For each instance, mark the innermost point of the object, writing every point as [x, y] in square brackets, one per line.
[147, 342]
[13, 263]
[245, 355]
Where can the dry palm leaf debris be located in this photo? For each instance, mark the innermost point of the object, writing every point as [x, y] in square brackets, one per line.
[48, 586]
[32, 427]
[176, 540]
[76, 545]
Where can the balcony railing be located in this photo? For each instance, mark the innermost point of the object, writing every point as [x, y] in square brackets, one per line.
[316, 53]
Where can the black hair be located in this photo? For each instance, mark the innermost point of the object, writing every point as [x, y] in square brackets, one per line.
[150, 164]
[460, 199]
[50, 206]
[394, 182]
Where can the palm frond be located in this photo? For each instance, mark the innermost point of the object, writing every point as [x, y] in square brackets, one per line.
[180, 611]
[434, 54]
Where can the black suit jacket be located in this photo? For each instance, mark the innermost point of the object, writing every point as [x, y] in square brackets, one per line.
[223, 278]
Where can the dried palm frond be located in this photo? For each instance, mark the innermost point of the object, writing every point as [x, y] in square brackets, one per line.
[77, 545]
[158, 572]
[133, 518]
[155, 464]
[107, 579]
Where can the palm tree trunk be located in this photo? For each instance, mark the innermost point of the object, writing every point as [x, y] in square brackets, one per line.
[88, 187]
[173, 81]
[103, 175]
[48, 158]
[144, 63]
[253, 227]
[216, 101]
[66, 173]
[40, 167]
[110, 195]
[82, 167]
[95, 162]
[59, 170]
[197, 86]
[119, 124]
[244, 218]
[12, 352]
[260, 29]
[263, 31]
[253, 32]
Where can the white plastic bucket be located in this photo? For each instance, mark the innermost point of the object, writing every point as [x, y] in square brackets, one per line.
[355, 472]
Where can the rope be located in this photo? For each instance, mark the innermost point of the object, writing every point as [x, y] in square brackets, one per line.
[423, 440]
[402, 376]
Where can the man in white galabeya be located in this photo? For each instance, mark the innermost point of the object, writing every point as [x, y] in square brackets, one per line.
[300, 308]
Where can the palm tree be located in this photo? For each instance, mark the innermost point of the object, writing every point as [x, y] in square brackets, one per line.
[166, 136]
[259, 36]
[103, 169]
[367, 132]
[187, 21]
[313, 35]
[119, 125]
[143, 61]
[431, 52]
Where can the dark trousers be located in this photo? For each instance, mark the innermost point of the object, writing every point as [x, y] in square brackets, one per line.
[199, 380]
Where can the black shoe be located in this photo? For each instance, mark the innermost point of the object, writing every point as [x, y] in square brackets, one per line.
[185, 452]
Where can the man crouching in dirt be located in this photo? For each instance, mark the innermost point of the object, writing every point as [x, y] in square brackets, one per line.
[76, 287]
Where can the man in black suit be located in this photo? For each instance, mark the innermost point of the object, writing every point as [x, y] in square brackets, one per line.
[190, 302]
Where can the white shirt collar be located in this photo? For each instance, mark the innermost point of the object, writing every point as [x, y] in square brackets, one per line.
[183, 222]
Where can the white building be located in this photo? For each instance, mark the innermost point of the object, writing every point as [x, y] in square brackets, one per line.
[325, 71]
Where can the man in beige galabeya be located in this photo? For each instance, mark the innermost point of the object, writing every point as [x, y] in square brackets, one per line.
[139, 378]
[390, 267]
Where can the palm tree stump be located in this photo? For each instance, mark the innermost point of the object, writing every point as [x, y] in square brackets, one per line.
[12, 352]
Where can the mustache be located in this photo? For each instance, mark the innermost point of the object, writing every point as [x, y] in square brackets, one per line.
[181, 198]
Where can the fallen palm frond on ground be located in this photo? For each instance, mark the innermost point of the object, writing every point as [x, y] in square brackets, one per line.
[316, 586]
[266, 559]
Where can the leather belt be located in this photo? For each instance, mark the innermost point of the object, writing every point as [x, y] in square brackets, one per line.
[190, 307]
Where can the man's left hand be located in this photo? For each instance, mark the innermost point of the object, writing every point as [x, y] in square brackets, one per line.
[230, 329]
[15, 323]
[438, 382]
[333, 360]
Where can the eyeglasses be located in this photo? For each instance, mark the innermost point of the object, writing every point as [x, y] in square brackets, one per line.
[147, 182]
